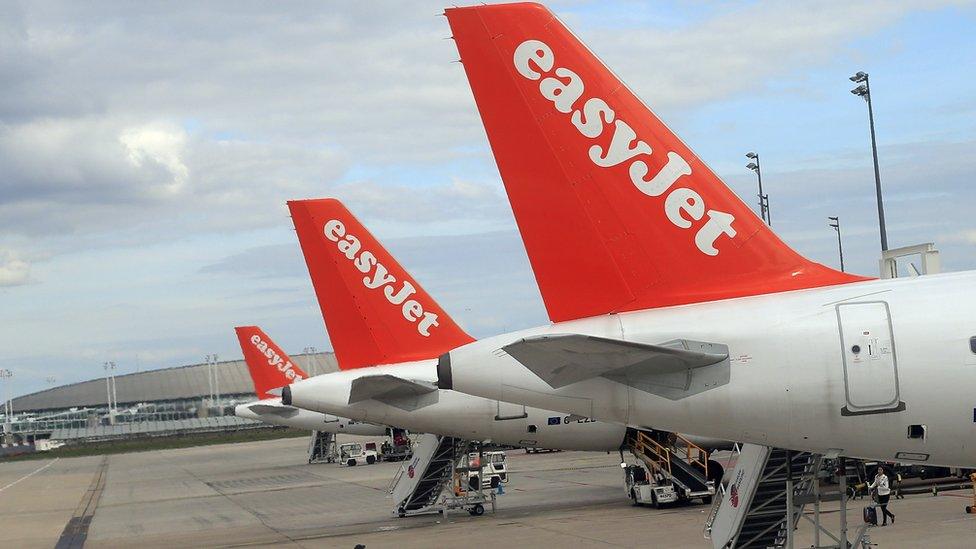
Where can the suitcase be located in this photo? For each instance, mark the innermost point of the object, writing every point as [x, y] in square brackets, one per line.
[871, 515]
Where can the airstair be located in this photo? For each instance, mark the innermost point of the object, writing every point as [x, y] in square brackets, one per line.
[322, 448]
[418, 484]
[764, 498]
[676, 459]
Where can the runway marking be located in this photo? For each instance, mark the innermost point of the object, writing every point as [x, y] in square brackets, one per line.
[32, 473]
[76, 531]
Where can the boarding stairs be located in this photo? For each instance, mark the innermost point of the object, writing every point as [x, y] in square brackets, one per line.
[322, 448]
[418, 484]
[753, 510]
[674, 458]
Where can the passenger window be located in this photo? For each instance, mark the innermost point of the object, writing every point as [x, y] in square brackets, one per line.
[916, 431]
[531, 428]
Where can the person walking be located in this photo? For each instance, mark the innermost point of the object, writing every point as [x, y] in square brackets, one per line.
[897, 489]
[882, 485]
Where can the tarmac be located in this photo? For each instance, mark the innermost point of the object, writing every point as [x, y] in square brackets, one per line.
[265, 493]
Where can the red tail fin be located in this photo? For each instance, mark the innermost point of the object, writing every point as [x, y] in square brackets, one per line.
[374, 312]
[269, 366]
[616, 213]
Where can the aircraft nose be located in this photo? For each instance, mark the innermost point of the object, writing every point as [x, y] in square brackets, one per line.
[444, 378]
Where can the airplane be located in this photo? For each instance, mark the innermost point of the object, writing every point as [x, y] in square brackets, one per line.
[387, 333]
[672, 305]
[271, 369]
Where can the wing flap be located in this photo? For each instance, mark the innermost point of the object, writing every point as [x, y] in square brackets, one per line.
[674, 369]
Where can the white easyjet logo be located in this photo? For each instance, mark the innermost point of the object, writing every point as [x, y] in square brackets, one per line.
[364, 260]
[683, 206]
[274, 359]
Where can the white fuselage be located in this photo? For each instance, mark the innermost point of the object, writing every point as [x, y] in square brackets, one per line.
[271, 410]
[795, 378]
[457, 414]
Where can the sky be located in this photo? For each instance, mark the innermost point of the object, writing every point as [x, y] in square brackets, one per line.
[147, 150]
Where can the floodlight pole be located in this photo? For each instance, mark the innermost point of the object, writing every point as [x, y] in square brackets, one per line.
[877, 170]
[217, 384]
[210, 394]
[866, 94]
[835, 223]
[109, 374]
[8, 405]
[115, 390]
[756, 166]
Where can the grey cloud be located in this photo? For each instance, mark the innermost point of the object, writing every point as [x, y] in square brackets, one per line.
[260, 106]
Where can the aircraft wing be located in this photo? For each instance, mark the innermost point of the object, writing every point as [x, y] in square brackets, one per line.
[396, 391]
[674, 369]
[282, 411]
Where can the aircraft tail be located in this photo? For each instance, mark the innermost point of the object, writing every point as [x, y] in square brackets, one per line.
[616, 213]
[374, 311]
[269, 366]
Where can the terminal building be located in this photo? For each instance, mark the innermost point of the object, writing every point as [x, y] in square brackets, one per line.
[194, 398]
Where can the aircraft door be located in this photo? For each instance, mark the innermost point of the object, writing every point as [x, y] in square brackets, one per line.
[870, 362]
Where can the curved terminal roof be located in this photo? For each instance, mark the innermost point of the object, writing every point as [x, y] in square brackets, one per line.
[179, 383]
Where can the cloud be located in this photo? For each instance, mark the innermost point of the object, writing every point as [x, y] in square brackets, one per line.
[14, 271]
[739, 49]
[965, 236]
[126, 123]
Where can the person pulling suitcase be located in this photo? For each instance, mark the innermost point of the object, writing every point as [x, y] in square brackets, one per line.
[882, 485]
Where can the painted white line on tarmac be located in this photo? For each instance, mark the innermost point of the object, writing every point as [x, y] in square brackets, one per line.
[32, 473]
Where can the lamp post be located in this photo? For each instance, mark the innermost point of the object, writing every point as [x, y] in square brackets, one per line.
[210, 394]
[8, 407]
[863, 90]
[311, 363]
[109, 367]
[213, 380]
[216, 375]
[763, 198]
[835, 223]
